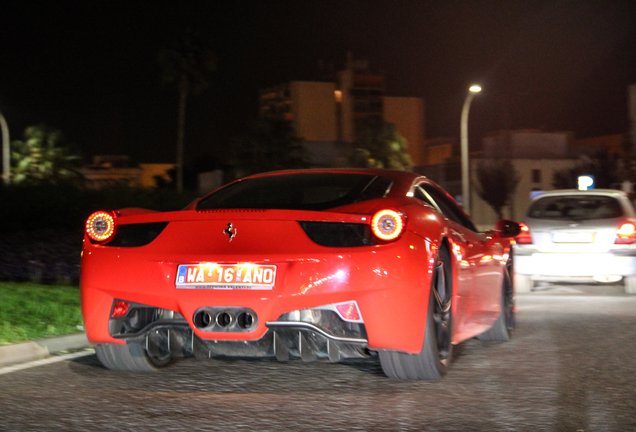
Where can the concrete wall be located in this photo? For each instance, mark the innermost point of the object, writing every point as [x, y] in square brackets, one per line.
[438, 154]
[407, 113]
[314, 110]
[527, 144]
[592, 146]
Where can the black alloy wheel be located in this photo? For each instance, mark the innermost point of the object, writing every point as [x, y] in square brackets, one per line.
[433, 360]
[442, 312]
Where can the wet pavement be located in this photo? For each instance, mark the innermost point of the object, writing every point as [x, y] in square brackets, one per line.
[571, 366]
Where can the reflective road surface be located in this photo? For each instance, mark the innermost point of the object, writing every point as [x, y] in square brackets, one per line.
[571, 366]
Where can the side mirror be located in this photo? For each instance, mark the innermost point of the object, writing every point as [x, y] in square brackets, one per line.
[507, 228]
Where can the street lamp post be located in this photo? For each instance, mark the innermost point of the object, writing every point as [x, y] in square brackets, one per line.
[472, 91]
[5, 150]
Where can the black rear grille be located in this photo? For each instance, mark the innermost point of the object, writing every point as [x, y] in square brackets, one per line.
[339, 234]
[135, 235]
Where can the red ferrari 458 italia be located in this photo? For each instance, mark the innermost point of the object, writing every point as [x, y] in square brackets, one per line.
[311, 264]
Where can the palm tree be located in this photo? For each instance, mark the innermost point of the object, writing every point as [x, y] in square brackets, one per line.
[41, 157]
[187, 62]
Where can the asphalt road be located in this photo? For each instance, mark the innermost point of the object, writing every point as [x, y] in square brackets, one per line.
[570, 367]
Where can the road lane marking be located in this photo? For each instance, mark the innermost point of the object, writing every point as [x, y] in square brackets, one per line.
[46, 361]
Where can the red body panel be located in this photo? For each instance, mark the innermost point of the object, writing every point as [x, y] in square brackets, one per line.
[390, 282]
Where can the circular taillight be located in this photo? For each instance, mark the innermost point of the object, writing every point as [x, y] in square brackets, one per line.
[387, 225]
[100, 226]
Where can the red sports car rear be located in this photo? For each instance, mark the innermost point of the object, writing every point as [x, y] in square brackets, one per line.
[316, 263]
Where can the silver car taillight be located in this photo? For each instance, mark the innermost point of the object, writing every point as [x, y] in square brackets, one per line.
[626, 234]
[524, 236]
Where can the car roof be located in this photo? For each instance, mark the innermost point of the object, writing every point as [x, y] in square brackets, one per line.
[613, 193]
[606, 192]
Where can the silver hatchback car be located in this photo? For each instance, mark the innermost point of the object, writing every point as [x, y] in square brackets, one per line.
[577, 236]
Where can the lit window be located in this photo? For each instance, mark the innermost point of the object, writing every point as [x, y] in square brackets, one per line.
[338, 95]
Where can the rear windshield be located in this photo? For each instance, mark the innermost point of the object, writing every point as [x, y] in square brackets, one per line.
[308, 191]
[576, 208]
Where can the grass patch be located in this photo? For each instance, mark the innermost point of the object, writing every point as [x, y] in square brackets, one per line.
[30, 311]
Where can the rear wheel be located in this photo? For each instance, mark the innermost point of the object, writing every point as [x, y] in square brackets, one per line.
[129, 357]
[430, 363]
[505, 324]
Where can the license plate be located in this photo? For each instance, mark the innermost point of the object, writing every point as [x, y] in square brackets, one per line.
[226, 276]
[561, 237]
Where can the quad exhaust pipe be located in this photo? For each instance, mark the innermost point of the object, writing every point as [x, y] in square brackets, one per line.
[225, 319]
[202, 319]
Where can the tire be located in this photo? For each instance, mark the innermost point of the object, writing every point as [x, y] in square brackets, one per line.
[505, 324]
[130, 357]
[432, 362]
[523, 283]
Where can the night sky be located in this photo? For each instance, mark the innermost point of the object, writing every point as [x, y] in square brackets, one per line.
[91, 69]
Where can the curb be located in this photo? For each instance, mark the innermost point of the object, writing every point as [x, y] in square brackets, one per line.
[35, 350]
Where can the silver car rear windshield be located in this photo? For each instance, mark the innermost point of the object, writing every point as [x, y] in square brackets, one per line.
[585, 207]
[307, 191]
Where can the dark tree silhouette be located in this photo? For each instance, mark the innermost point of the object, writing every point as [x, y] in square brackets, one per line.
[188, 63]
[498, 181]
[270, 143]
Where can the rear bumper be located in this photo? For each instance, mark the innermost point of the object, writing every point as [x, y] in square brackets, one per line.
[390, 284]
[573, 266]
[283, 340]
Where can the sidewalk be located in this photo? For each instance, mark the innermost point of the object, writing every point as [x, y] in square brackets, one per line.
[34, 350]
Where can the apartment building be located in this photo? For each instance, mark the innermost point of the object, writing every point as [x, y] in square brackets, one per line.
[326, 114]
